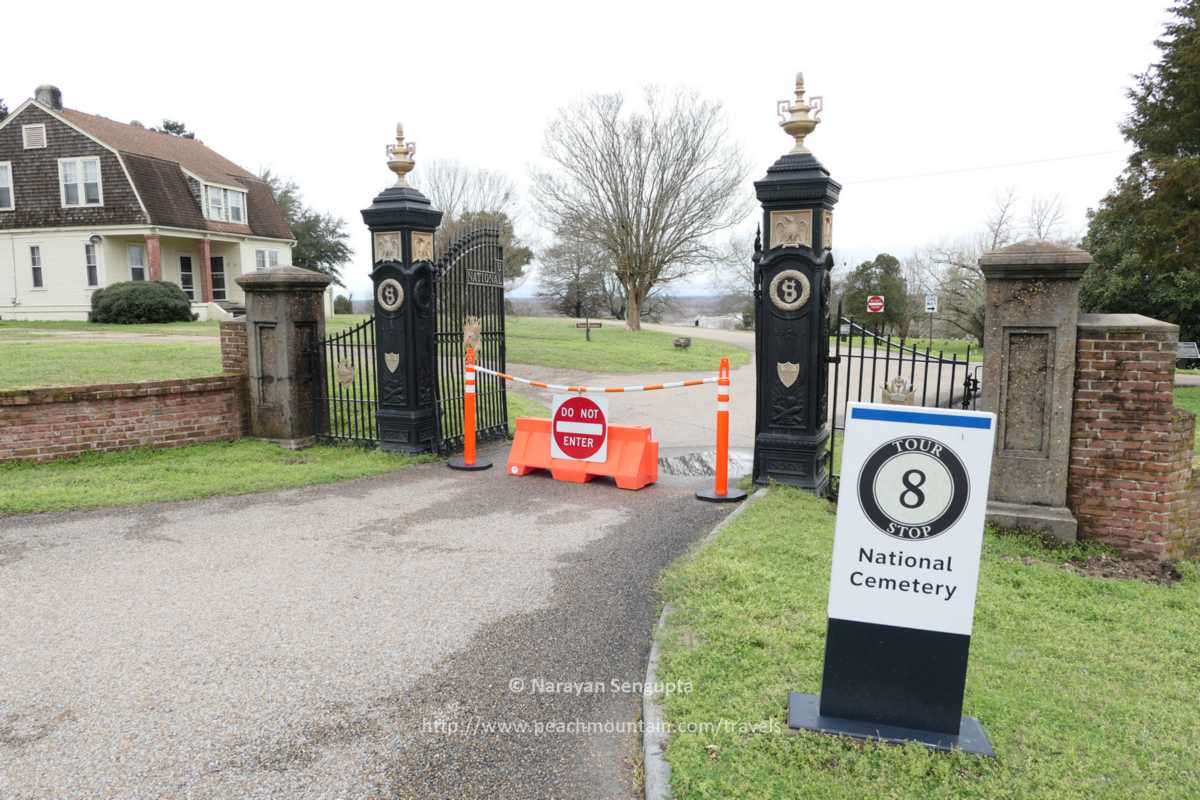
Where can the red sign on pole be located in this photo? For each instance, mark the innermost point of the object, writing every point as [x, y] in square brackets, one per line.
[579, 428]
[875, 304]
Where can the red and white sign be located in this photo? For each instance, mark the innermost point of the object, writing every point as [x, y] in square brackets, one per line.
[579, 428]
[875, 304]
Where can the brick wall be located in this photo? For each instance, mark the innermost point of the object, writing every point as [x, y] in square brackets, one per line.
[1130, 477]
[234, 356]
[45, 424]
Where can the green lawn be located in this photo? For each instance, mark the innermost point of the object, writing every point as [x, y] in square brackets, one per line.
[73, 363]
[948, 348]
[521, 406]
[1087, 687]
[17, 328]
[557, 343]
[146, 475]
[1188, 398]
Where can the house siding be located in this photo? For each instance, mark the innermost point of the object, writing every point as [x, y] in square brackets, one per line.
[35, 178]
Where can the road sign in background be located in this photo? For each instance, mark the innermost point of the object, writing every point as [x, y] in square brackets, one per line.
[931, 303]
[579, 428]
[875, 304]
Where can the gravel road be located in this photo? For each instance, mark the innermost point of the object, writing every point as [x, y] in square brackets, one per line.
[350, 641]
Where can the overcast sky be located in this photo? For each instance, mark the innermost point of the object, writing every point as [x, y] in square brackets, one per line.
[314, 91]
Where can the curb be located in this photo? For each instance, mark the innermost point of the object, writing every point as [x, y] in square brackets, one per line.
[656, 771]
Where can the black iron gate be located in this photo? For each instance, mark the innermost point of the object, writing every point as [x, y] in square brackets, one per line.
[865, 362]
[469, 275]
[345, 389]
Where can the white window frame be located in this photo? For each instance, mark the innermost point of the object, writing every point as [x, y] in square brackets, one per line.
[223, 194]
[25, 129]
[145, 270]
[241, 196]
[12, 187]
[94, 264]
[191, 273]
[80, 184]
[40, 266]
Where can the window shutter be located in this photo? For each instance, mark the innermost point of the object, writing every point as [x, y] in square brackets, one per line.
[33, 137]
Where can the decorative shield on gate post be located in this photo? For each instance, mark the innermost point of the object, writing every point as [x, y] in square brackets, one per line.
[788, 372]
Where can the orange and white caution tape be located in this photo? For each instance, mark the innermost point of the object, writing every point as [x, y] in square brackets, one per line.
[555, 387]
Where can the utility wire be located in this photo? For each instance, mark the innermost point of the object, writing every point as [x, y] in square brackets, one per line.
[982, 169]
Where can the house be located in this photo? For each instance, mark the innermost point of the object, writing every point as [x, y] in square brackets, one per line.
[86, 201]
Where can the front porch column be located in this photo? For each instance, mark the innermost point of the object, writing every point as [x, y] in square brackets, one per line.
[154, 257]
[205, 270]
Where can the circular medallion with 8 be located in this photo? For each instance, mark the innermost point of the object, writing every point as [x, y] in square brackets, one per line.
[790, 290]
[913, 488]
[390, 294]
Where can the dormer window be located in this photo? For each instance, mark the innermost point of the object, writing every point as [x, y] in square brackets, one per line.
[224, 205]
[79, 182]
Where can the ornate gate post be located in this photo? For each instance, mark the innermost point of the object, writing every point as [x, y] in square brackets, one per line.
[402, 223]
[791, 299]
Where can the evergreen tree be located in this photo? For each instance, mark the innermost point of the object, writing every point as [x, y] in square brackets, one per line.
[322, 241]
[882, 275]
[1145, 236]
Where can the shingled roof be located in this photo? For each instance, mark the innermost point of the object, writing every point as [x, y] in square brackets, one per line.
[154, 161]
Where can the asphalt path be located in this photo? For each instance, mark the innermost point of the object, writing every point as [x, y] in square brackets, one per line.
[423, 634]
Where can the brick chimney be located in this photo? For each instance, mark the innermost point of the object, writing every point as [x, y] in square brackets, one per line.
[49, 96]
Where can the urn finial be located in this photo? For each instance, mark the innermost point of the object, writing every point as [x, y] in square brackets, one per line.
[400, 156]
[794, 118]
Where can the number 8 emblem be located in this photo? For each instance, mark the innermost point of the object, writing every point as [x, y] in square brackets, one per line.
[913, 488]
[790, 290]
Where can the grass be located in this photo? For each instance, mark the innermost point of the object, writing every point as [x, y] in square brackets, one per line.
[521, 406]
[1188, 398]
[557, 343]
[145, 475]
[947, 347]
[17, 328]
[75, 363]
[1087, 687]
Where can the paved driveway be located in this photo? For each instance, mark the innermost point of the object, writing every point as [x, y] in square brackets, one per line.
[355, 640]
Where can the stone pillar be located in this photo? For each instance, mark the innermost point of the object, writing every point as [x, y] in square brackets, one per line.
[204, 268]
[791, 291]
[285, 318]
[402, 222]
[1032, 307]
[1131, 483]
[154, 257]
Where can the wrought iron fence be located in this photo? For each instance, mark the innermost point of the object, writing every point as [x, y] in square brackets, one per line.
[346, 390]
[469, 273]
[865, 361]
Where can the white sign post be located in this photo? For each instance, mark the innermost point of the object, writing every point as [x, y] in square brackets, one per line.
[905, 569]
[931, 303]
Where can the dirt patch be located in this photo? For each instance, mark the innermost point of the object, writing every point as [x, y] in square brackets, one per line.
[1163, 573]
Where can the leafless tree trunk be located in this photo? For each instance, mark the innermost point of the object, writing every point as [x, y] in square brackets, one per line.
[650, 187]
[1045, 218]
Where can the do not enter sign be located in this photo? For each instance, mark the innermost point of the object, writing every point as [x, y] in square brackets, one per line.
[875, 304]
[579, 428]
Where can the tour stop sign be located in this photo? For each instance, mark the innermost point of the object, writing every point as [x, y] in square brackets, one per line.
[875, 304]
[579, 428]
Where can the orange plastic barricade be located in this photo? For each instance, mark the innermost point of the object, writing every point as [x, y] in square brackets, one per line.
[632, 455]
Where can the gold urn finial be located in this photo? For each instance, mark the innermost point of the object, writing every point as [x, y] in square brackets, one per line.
[400, 156]
[794, 119]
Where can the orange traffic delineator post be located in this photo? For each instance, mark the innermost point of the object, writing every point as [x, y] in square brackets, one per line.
[721, 493]
[632, 455]
[467, 460]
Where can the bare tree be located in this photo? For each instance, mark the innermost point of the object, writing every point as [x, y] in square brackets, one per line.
[456, 189]
[649, 187]
[1045, 219]
[571, 277]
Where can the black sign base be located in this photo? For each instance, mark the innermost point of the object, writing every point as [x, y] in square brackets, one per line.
[804, 714]
[458, 463]
[731, 496]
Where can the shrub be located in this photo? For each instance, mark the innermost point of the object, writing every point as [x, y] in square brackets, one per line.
[134, 302]
[342, 305]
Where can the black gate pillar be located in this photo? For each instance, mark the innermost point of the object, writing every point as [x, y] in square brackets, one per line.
[402, 223]
[791, 299]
